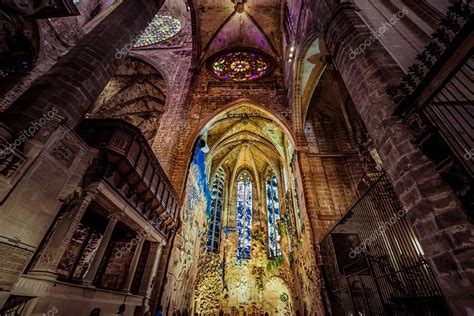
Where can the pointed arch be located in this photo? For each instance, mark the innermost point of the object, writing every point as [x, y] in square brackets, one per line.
[259, 107]
[307, 72]
[244, 215]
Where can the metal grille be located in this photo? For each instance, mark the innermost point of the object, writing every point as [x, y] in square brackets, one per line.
[391, 275]
[452, 111]
[435, 100]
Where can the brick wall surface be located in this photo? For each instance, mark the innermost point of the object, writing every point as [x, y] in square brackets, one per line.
[210, 96]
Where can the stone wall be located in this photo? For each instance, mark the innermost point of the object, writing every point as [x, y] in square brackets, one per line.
[173, 59]
[433, 208]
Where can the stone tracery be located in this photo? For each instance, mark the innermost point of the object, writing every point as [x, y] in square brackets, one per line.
[161, 28]
[240, 65]
[244, 216]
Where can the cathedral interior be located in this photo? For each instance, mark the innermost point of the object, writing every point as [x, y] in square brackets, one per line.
[236, 157]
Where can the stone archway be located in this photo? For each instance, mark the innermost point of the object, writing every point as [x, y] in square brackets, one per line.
[310, 66]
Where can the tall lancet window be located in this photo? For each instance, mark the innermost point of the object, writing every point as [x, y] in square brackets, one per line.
[216, 212]
[273, 215]
[244, 215]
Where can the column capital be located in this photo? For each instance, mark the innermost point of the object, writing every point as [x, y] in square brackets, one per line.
[144, 232]
[145, 235]
[161, 243]
[115, 217]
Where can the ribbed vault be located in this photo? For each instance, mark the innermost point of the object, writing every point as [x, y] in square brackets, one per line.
[245, 138]
[239, 23]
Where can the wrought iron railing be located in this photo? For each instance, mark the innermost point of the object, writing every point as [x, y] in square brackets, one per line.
[373, 263]
[435, 100]
[452, 111]
[454, 28]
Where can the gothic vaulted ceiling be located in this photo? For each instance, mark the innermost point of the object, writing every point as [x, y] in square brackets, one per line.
[225, 24]
[136, 94]
[245, 138]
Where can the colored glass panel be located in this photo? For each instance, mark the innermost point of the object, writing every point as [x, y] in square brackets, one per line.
[241, 65]
[273, 216]
[161, 28]
[244, 216]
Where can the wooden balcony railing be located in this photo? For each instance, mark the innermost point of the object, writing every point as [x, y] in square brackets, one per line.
[127, 163]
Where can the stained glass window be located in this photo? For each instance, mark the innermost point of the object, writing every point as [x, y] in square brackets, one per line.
[244, 216]
[244, 65]
[273, 216]
[161, 28]
[216, 211]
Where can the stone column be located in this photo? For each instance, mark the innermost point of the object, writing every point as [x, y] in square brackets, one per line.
[133, 265]
[64, 228]
[150, 272]
[78, 78]
[318, 199]
[445, 232]
[99, 255]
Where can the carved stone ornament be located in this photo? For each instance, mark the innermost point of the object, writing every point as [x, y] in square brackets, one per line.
[63, 153]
